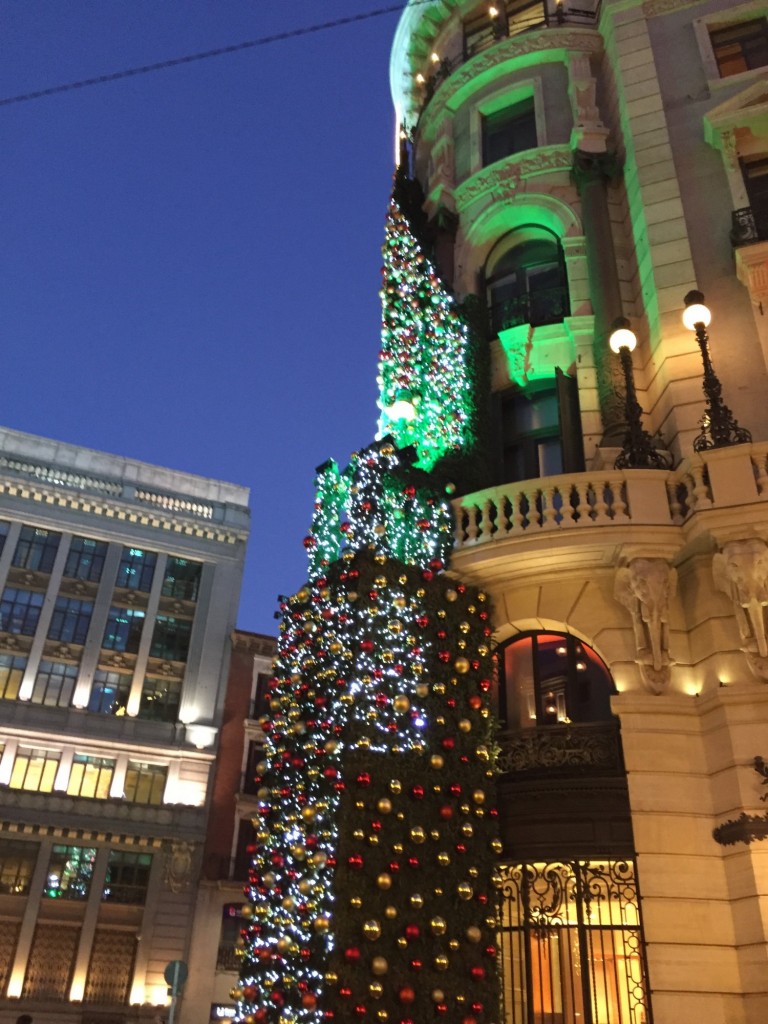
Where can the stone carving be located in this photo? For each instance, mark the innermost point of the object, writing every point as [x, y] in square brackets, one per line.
[504, 179]
[645, 587]
[651, 8]
[180, 859]
[590, 130]
[740, 570]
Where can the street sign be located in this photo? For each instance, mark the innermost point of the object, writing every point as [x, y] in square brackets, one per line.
[175, 974]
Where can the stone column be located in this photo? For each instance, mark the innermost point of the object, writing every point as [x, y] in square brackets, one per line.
[591, 172]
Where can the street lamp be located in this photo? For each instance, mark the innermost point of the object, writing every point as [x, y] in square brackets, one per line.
[638, 451]
[719, 428]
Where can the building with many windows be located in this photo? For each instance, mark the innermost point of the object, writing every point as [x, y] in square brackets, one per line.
[119, 584]
[580, 163]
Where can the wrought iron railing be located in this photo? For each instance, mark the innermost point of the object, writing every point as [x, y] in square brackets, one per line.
[544, 306]
[227, 958]
[749, 225]
[589, 748]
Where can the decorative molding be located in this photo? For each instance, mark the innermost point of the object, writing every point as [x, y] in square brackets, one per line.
[254, 643]
[82, 835]
[589, 748]
[740, 571]
[645, 587]
[503, 179]
[180, 858]
[655, 8]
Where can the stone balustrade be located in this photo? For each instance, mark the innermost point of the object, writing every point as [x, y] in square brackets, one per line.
[611, 497]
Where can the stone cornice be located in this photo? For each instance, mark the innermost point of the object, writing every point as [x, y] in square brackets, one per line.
[654, 8]
[503, 179]
[254, 643]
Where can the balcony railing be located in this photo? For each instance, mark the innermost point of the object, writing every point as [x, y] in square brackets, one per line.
[749, 225]
[589, 748]
[544, 306]
[610, 498]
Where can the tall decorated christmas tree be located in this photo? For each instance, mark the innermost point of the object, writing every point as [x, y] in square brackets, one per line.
[371, 893]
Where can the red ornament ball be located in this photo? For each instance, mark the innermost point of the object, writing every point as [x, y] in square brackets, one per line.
[406, 995]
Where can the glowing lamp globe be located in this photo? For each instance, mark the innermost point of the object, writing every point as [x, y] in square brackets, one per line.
[402, 408]
[622, 336]
[696, 312]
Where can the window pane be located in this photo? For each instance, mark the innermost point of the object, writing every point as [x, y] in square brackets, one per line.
[171, 638]
[85, 559]
[36, 549]
[160, 699]
[509, 131]
[34, 770]
[90, 776]
[182, 579]
[123, 632]
[17, 863]
[109, 693]
[20, 611]
[54, 684]
[740, 47]
[70, 620]
[137, 568]
[11, 673]
[145, 783]
[69, 872]
[127, 877]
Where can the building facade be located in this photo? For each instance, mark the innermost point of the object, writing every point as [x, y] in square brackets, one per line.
[119, 585]
[580, 164]
[214, 964]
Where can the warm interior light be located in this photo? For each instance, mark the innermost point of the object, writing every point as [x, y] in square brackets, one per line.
[493, 11]
[622, 335]
[420, 78]
[434, 57]
[695, 312]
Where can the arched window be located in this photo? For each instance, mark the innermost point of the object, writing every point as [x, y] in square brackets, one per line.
[550, 679]
[525, 279]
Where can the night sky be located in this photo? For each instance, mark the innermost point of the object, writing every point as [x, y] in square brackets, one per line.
[192, 257]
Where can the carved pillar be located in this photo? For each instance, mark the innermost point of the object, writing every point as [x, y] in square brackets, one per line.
[645, 587]
[591, 172]
[740, 570]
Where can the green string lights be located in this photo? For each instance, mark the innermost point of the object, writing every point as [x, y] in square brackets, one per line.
[425, 386]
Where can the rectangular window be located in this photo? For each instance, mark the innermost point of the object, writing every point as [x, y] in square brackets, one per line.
[127, 877]
[54, 684]
[160, 699]
[70, 620]
[570, 943]
[69, 872]
[4, 528]
[137, 568]
[36, 549]
[109, 693]
[740, 47]
[182, 579]
[85, 559]
[12, 669]
[260, 705]
[145, 783]
[123, 632]
[34, 770]
[20, 611]
[170, 640]
[17, 864]
[91, 776]
[509, 131]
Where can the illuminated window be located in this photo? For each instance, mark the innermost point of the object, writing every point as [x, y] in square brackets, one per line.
[90, 776]
[36, 549]
[20, 611]
[481, 30]
[160, 699]
[552, 678]
[69, 872]
[70, 620]
[182, 579]
[571, 944]
[740, 47]
[17, 864]
[34, 770]
[509, 131]
[525, 280]
[11, 673]
[54, 684]
[145, 783]
[137, 568]
[123, 632]
[85, 559]
[170, 640]
[110, 692]
[127, 877]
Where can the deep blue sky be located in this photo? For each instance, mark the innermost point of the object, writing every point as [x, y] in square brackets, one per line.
[191, 258]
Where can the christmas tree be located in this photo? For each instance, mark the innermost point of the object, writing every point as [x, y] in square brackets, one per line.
[371, 891]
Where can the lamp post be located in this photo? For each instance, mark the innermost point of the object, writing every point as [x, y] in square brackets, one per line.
[719, 428]
[638, 451]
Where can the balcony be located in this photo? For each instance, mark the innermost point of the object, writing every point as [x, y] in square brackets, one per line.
[577, 749]
[537, 308]
[749, 225]
[549, 513]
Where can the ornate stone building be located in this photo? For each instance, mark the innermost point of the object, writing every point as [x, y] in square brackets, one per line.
[118, 592]
[582, 163]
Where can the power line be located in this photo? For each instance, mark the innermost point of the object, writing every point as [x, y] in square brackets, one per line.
[191, 58]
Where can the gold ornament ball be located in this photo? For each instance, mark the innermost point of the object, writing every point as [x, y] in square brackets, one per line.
[376, 990]
[401, 704]
[473, 933]
[464, 891]
[283, 945]
[466, 829]
[437, 761]
[382, 1015]
[402, 942]
[384, 806]
[461, 665]
[441, 962]
[355, 902]
[453, 945]
[395, 786]
[439, 689]
[451, 595]
[496, 845]
[321, 925]
[478, 796]
[308, 813]
[482, 753]
[395, 626]
[332, 978]
[418, 835]
[384, 881]
[379, 966]
[422, 690]
[438, 926]
[473, 872]
[438, 995]
[464, 627]
[390, 913]
[443, 859]
[465, 725]
[372, 930]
